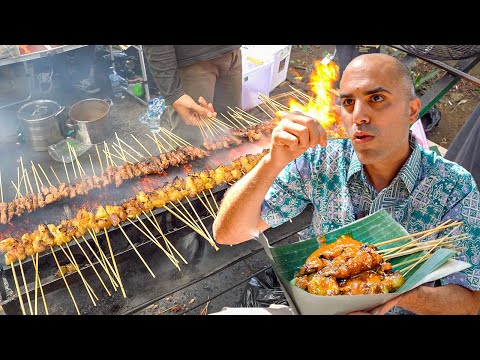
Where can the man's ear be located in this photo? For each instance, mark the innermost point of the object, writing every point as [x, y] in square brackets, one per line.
[414, 105]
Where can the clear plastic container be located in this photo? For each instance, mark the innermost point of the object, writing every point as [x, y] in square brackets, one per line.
[61, 149]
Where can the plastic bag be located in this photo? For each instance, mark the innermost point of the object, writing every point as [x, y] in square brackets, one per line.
[263, 291]
[431, 119]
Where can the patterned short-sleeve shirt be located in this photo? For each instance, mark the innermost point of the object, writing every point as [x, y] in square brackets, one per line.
[427, 191]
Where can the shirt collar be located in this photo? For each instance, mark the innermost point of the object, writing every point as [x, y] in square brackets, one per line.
[409, 171]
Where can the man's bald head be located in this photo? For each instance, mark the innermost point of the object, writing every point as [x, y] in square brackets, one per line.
[386, 64]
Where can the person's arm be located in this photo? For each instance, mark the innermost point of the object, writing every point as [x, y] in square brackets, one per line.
[162, 61]
[238, 219]
[450, 299]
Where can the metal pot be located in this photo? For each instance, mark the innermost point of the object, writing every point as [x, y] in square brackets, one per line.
[40, 123]
[90, 120]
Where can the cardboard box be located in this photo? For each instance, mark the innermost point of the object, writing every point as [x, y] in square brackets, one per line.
[255, 80]
[279, 55]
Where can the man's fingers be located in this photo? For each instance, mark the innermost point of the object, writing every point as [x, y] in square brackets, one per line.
[283, 138]
[301, 132]
[317, 134]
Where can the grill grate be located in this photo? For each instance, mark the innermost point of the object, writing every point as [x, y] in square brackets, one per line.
[444, 52]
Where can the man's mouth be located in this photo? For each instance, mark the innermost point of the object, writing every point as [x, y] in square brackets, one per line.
[360, 137]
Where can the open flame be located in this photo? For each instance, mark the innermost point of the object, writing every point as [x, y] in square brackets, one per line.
[321, 106]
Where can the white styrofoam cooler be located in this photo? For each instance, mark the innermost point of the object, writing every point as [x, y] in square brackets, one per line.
[255, 80]
[278, 54]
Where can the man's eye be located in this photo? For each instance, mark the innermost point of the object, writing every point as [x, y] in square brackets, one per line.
[377, 98]
[347, 102]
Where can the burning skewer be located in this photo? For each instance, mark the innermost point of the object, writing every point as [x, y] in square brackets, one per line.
[65, 280]
[25, 286]
[18, 290]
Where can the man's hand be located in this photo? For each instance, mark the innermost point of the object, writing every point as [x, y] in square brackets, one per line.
[293, 136]
[190, 111]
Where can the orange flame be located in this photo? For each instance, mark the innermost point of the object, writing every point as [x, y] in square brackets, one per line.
[321, 106]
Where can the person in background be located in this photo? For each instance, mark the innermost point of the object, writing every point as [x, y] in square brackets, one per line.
[382, 167]
[196, 80]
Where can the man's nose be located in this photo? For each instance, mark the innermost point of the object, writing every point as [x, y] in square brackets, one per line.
[360, 113]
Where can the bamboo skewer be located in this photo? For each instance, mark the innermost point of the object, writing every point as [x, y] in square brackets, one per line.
[118, 140]
[213, 197]
[211, 241]
[157, 143]
[16, 189]
[430, 231]
[44, 174]
[93, 267]
[101, 262]
[185, 142]
[87, 286]
[152, 238]
[99, 158]
[18, 289]
[18, 183]
[35, 291]
[36, 175]
[131, 148]
[188, 217]
[187, 222]
[136, 250]
[79, 166]
[37, 276]
[167, 142]
[231, 122]
[23, 174]
[71, 159]
[77, 267]
[91, 163]
[104, 260]
[114, 262]
[66, 171]
[27, 293]
[210, 211]
[65, 280]
[167, 242]
[55, 174]
[36, 180]
[143, 147]
[118, 157]
[126, 152]
[1, 186]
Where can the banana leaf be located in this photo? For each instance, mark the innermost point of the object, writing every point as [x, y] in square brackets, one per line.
[375, 228]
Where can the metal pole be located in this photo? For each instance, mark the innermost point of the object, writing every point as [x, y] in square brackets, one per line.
[144, 71]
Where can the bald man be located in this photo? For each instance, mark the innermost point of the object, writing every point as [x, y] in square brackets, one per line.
[382, 167]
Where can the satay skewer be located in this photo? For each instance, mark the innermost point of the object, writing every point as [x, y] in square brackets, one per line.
[235, 126]
[18, 194]
[36, 175]
[186, 222]
[114, 262]
[93, 267]
[23, 173]
[66, 171]
[16, 189]
[250, 116]
[20, 300]
[35, 291]
[77, 267]
[204, 135]
[27, 292]
[166, 141]
[79, 166]
[36, 180]
[206, 207]
[65, 280]
[123, 152]
[120, 146]
[208, 203]
[154, 139]
[139, 143]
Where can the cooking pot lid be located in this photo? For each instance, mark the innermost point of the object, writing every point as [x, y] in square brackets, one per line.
[38, 110]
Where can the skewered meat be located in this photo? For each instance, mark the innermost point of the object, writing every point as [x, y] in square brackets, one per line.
[347, 267]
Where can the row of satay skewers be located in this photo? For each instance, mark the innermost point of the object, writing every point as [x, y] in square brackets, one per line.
[168, 197]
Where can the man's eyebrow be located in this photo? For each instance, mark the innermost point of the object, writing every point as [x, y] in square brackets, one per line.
[369, 92]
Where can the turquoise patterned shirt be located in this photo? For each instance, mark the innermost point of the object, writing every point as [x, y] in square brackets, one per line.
[427, 191]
